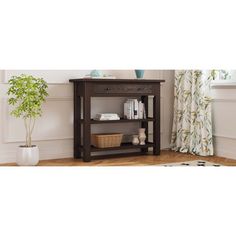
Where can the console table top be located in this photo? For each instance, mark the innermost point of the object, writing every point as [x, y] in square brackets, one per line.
[118, 80]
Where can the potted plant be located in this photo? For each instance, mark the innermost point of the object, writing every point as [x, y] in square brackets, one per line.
[27, 94]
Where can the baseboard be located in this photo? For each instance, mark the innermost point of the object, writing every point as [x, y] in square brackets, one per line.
[47, 156]
[10, 157]
[225, 154]
[225, 147]
[7, 157]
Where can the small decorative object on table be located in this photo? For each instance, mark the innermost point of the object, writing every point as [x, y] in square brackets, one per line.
[139, 73]
[107, 116]
[142, 136]
[97, 74]
[135, 140]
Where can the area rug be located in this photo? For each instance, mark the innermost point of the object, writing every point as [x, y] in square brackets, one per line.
[192, 163]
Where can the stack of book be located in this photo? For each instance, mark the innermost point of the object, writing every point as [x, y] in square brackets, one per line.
[107, 116]
[134, 109]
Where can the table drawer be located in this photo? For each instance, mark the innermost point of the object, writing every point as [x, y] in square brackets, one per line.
[123, 89]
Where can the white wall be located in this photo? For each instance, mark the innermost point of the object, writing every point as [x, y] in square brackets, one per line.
[224, 120]
[53, 131]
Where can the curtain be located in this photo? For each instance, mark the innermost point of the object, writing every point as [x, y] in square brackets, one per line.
[192, 123]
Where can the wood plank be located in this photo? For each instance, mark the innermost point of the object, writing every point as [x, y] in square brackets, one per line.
[117, 80]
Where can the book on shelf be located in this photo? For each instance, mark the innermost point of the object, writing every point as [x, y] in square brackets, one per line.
[134, 109]
[107, 116]
[135, 102]
[140, 110]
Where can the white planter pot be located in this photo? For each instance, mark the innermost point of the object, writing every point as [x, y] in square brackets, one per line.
[27, 156]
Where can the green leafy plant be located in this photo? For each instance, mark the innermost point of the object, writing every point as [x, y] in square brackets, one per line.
[27, 94]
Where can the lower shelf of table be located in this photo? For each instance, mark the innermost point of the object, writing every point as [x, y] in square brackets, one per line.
[119, 155]
[123, 146]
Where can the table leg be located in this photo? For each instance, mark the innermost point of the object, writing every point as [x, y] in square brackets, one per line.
[77, 124]
[145, 124]
[156, 123]
[87, 127]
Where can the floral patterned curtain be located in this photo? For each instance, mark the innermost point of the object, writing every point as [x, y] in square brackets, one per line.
[192, 124]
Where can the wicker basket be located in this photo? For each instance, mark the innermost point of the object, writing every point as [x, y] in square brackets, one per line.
[106, 140]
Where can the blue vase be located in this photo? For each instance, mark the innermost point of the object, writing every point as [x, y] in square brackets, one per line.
[139, 73]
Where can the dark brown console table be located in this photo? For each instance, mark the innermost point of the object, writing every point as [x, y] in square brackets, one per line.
[138, 88]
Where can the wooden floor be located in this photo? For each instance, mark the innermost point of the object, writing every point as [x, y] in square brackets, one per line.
[147, 160]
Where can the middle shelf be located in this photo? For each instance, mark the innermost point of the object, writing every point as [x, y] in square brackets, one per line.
[92, 121]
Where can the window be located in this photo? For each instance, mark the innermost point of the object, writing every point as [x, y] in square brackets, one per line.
[224, 78]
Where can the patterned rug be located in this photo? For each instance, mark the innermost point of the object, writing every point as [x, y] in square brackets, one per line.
[192, 163]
